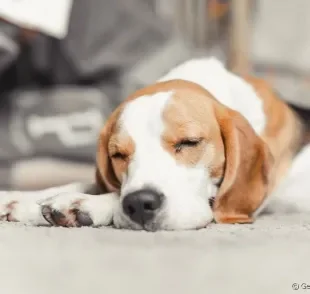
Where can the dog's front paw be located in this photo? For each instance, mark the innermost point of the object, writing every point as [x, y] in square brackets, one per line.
[16, 207]
[77, 209]
[66, 210]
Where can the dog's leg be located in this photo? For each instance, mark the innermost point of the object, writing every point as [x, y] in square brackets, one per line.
[23, 207]
[78, 209]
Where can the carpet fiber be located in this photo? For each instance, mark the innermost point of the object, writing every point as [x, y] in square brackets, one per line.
[267, 257]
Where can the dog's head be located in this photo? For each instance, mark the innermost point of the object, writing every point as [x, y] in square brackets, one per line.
[179, 159]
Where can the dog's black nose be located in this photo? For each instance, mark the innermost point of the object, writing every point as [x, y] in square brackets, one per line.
[141, 206]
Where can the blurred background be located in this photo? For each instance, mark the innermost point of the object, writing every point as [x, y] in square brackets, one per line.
[66, 64]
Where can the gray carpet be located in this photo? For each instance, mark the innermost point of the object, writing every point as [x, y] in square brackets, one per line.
[267, 257]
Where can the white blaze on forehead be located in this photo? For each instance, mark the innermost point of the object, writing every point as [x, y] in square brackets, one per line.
[142, 117]
[142, 121]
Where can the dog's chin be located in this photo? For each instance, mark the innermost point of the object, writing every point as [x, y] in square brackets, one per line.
[120, 221]
[159, 224]
[123, 222]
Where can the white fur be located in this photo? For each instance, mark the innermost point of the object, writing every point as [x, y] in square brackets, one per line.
[292, 195]
[21, 207]
[225, 86]
[186, 189]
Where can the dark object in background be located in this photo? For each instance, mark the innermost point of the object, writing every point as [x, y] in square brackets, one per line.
[64, 124]
[56, 93]
[9, 49]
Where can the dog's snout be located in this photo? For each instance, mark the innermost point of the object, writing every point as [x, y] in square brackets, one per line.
[141, 206]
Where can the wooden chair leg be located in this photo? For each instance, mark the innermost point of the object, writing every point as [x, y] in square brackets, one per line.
[239, 37]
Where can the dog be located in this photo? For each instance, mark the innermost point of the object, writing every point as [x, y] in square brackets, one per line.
[200, 145]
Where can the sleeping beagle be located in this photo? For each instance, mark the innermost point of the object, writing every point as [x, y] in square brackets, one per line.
[201, 144]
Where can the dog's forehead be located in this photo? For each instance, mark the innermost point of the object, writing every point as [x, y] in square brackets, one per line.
[143, 115]
[167, 106]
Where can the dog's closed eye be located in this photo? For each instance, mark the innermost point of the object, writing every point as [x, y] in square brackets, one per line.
[211, 201]
[187, 143]
[119, 155]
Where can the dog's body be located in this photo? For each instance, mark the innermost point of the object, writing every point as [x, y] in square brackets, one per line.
[200, 144]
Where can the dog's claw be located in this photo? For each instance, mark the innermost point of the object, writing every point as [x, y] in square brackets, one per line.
[70, 218]
[83, 218]
[47, 214]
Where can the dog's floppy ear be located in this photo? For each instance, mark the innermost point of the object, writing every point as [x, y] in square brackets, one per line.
[105, 176]
[247, 168]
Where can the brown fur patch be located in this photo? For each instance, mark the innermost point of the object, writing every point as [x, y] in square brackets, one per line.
[283, 131]
[190, 115]
[247, 168]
